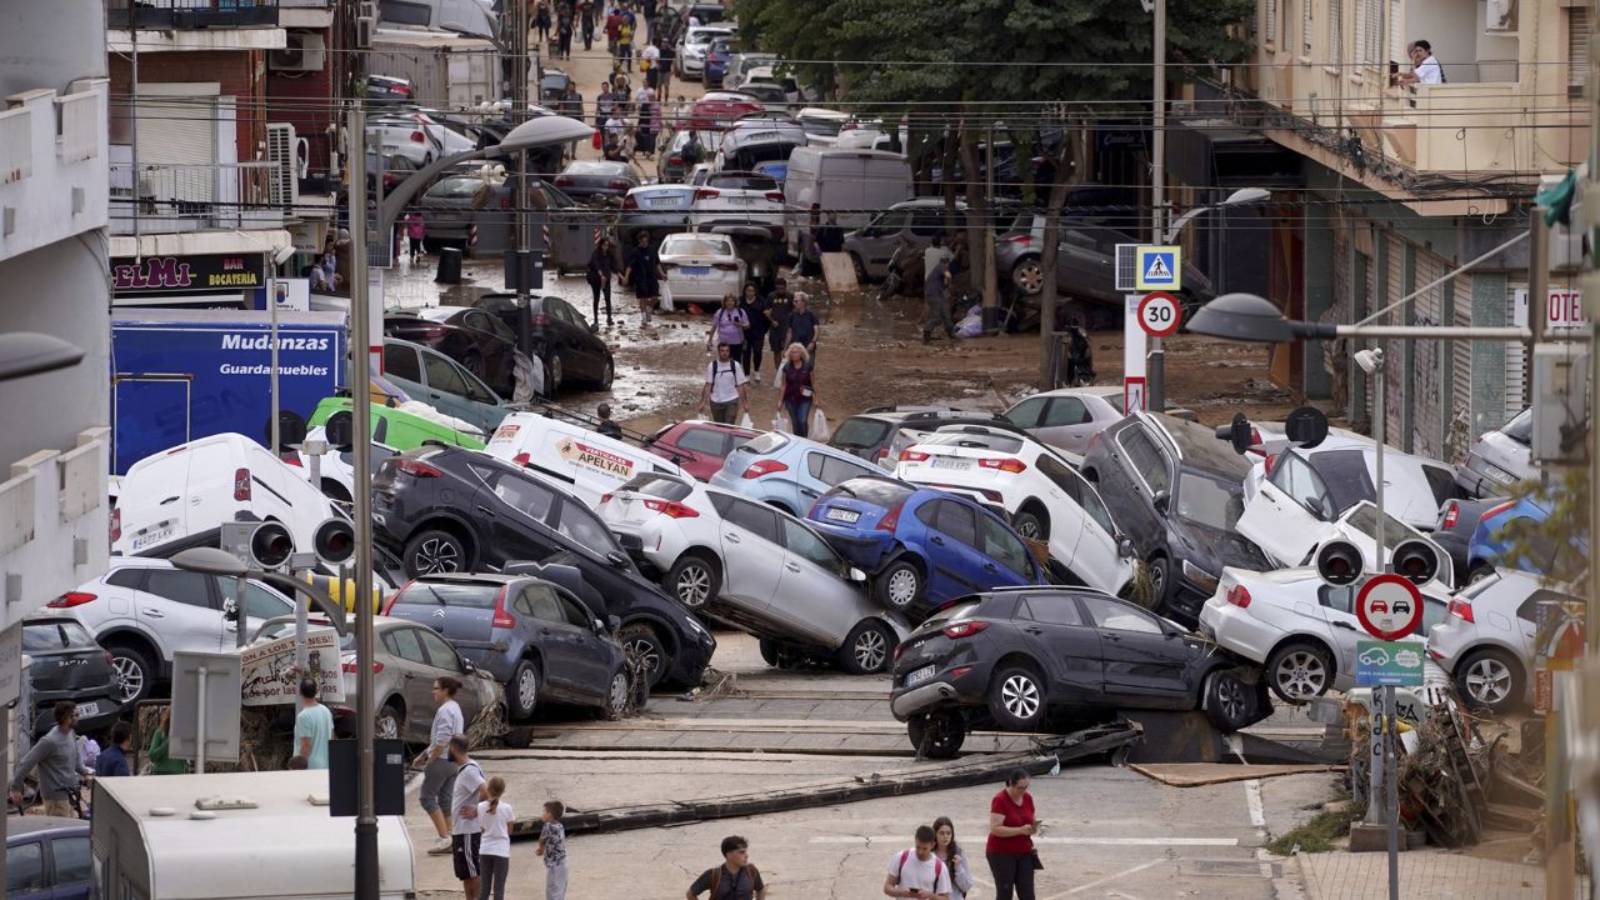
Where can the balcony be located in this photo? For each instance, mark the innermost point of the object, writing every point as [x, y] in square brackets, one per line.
[170, 15]
[53, 523]
[52, 166]
[184, 197]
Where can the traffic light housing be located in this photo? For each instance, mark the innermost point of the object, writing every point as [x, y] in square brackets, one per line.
[334, 541]
[1415, 561]
[271, 545]
[1339, 562]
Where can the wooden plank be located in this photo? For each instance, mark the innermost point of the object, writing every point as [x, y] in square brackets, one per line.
[840, 273]
[1199, 774]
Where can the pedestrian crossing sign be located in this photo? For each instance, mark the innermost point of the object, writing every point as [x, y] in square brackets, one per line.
[1158, 268]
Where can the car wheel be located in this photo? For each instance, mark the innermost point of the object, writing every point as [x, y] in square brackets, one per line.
[769, 652]
[900, 585]
[553, 374]
[694, 580]
[617, 696]
[1027, 276]
[1016, 698]
[522, 691]
[1160, 574]
[868, 648]
[136, 674]
[937, 735]
[1482, 571]
[641, 643]
[1489, 679]
[434, 552]
[387, 728]
[1299, 671]
[608, 374]
[1031, 524]
[1230, 704]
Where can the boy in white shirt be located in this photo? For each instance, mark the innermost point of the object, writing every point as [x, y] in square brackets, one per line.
[918, 873]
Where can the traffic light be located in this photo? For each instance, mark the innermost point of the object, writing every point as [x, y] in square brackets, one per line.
[1339, 562]
[334, 541]
[271, 545]
[1415, 561]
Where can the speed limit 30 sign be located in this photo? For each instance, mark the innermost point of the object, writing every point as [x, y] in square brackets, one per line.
[1160, 314]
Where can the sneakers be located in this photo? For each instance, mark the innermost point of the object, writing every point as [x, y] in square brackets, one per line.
[441, 847]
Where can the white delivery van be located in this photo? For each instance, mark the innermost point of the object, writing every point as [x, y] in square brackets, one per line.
[179, 497]
[586, 462]
[852, 183]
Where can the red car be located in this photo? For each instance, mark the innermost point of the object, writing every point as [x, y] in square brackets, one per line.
[719, 109]
[698, 446]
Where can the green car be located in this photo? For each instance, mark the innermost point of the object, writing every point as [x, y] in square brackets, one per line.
[396, 428]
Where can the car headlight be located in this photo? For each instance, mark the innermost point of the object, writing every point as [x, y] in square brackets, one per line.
[1199, 577]
[696, 627]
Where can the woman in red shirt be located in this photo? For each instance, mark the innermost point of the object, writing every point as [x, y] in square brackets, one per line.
[1010, 848]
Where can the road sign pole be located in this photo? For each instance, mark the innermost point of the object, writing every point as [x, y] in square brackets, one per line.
[1133, 343]
[1392, 798]
[1157, 374]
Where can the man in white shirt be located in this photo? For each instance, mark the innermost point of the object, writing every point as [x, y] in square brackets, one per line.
[918, 873]
[1424, 68]
[466, 832]
[725, 387]
[935, 252]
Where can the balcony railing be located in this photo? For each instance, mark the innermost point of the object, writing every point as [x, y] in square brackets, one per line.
[192, 197]
[171, 14]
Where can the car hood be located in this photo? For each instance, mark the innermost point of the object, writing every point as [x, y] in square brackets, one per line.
[1212, 548]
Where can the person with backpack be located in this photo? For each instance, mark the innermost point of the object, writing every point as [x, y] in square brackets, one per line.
[735, 879]
[724, 392]
[728, 325]
[755, 310]
[918, 872]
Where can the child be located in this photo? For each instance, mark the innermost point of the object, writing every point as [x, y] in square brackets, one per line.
[553, 847]
[494, 855]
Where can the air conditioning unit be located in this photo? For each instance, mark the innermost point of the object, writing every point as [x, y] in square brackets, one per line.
[306, 52]
[282, 152]
[1500, 16]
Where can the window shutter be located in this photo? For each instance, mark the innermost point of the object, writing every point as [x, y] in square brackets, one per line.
[1271, 29]
[1577, 48]
[1305, 27]
[1335, 33]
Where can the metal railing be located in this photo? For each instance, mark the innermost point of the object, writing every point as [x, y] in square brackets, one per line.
[192, 197]
[168, 14]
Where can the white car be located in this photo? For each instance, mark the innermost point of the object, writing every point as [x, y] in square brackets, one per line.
[1499, 459]
[178, 498]
[1487, 642]
[585, 462]
[1069, 417]
[700, 268]
[696, 41]
[1042, 496]
[822, 125]
[738, 198]
[1301, 629]
[740, 64]
[143, 610]
[754, 567]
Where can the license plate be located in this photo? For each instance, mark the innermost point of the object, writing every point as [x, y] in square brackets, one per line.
[152, 538]
[696, 270]
[88, 710]
[1498, 475]
[920, 675]
[951, 462]
[848, 516]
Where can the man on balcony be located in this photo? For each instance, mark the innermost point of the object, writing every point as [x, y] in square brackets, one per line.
[1424, 68]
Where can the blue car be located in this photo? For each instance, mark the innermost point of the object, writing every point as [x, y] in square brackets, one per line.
[717, 56]
[777, 170]
[923, 548]
[1490, 543]
[788, 472]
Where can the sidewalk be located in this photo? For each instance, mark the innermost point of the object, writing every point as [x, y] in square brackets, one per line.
[1427, 874]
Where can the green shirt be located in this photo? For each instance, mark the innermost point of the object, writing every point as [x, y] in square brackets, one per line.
[316, 723]
[160, 762]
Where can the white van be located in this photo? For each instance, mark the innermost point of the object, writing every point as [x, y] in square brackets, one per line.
[851, 183]
[178, 498]
[587, 462]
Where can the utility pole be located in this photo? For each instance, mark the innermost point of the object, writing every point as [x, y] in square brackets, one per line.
[1156, 366]
[990, 280]
[524, 232]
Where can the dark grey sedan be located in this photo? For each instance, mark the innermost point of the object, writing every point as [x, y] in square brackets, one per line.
[596, 179]
[1085, 262]
[657, 210]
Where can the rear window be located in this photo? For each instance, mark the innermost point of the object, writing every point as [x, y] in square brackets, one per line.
[860, 431]
[1520, 429]
[594, 167]
[463, 596]
[743, 182]
[954, 613]
[821, 127]
[653, 485]
[454, 188]
[61, 634]
[877, 491]
[766, 443]
[997, 442]
[696, 246]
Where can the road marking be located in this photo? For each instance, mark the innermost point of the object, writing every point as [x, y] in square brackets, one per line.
[1258, 818]
[1109, 878]
[1064, 841]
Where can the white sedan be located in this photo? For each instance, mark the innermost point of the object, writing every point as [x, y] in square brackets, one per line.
[700, 268]
[1301, 629]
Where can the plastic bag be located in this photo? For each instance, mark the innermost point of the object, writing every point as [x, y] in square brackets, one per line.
[780, 422]
[777, 377]
[745, 422]
[819, 427]
[666, 299]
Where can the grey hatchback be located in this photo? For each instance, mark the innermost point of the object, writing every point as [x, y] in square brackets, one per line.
[531, 634]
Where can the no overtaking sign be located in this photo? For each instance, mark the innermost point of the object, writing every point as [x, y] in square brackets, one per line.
[1389, 607]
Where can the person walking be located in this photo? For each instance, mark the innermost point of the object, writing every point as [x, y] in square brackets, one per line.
[728, 325]
[541, 20]
[586, 17]
[918, 872]
[669, 57]
[803, 326]
[553, 847]
[437, 770]
[735, 879]
[755, 308]
[779, 306]
[416, 233]
[603, 105]
[494, 853]
[466, 830]
[313, 726]
[1012, 826]
[61, 769]
[955, 861]
[644, 274]
[564, 35]
[724, 392]
[159, 751]
[601, 270]
[113, 761]
[936, 299]
[798, 392]
[607, 427]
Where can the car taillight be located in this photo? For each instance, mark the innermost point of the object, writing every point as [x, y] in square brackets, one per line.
[1021, 240]
[418, 137]
[1461, 609]
[395, 597]
[71, 599]
[909, 455]
[882, 453]
[403, 90]
[764, 467]
[617, 184]
[674, 160]
[630, 202]
[241, 484]
[116, 525]
[1452, 514]
[707, 194]
[290, 458]
[349, 667]
[890, 520]
[726, 266]
[1493, 511]
[416, 468]
[964, 629]
[563, 181]
[775, 196]
[1006, 464]
[521, 459]
[606, 498]
[1238, 596]
[1268, 463]
[502, 617]
[671, 509]
[1255, 437]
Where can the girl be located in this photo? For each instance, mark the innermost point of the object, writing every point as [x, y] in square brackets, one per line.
[798, 393]
[494, 854]
[416, 233]
[728, 326]
[946, 848]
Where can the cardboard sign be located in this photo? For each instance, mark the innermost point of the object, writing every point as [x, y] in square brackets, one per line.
[267, 670]
[596, 458]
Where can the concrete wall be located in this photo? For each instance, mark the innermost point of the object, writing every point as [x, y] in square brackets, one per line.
[48, 45]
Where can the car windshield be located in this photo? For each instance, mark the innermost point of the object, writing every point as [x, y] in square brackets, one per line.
[999, 443]
[652, 485]
[860, 431]
[1364, 518]
[741, 182]
[1209, 501]
[1520, 429]
[686, 245]
[877, 491]
[454, 188]
[464, 596]
[59, 634]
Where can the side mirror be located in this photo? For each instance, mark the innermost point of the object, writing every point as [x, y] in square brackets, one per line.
[1160, 501]
[1125, 548]
[857, 575]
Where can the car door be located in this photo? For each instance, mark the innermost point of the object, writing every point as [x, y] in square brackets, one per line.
[588, 352]
[1145, 469]
[1078, 264]
[1282, 517]
[878, 240]
[183, 608]
[1007, 560]
[593, 652]
[1095, 558]
[1144, 663]
[415, 679]
[446, 661]
[752, 553]
[26, 875]
[814, 596]
[515, 511]
[1067, 424]
[72, 867]
[953, 556]
[556, 639]
[1027, 414]
[1055, 628]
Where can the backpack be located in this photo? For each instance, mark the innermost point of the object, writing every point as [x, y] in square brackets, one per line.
[716, 878]
[938, 868]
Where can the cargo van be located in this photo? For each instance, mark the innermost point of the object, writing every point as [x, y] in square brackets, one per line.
[588, 462]
[851, 183]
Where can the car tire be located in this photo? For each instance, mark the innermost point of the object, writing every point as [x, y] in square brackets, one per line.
[1299, 671]
[900, 585]
[1017, 698]
[1230, 704]
[608, 374]
[1490, 679]
[434, 552]
[693, 580]
[769, 652]
[1031, 524]
[390, 724]
[617, 696]
[553, 375]
[136, 670]
[1027, 276]
[639, 640]
[869, 648]
[522, 691]
[1160, 570]
[1479, 573]
[938, 734]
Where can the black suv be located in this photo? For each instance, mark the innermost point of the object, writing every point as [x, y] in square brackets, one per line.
[445, 510]
[1179, 494]
[1021, 657]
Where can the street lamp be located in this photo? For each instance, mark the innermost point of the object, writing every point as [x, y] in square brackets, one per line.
[1248, 317]
[24, 353]
[215, 561]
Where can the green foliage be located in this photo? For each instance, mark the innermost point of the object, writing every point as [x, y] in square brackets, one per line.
[1547, 545]
[1318, 834]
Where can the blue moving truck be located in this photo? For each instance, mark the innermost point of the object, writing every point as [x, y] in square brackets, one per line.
[178, 375]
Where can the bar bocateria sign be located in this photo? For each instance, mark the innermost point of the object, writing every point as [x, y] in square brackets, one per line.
[197, 274]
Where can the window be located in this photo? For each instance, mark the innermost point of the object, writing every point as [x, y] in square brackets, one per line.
[404, 643]
[1341, 598]
[890, 222]
[1144, 459]
[259, 602]
[476, 390]
[1067, 411]
[439, 653]
[927, 222]
[1270, 31]
[1441, 481]
[1026, 414]
[758, 520]
[25, 867]
[401, 362]
[703, 440]
[1297, 479]
[576, 613]
[532, 499]
[860, 431]
[127, 578]
[1528, 610]
[1079, 490]
[58, 634]
[953, 519]
[542, 603]
[1305, 27]
[1120, 617]
[803, 543]
[190, 588]
[1003, 545]
[73, 861]
[1369, 32]
[1052, 609]
[1433, 612]
[582, 527]
[442, 376]
[1336, 32]
[837, 471]
[1577, 50]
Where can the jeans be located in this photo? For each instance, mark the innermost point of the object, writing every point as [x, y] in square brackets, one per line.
[1012, 870]
[600, 286]
[936, 316]
[799, 416]
[492, 870]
